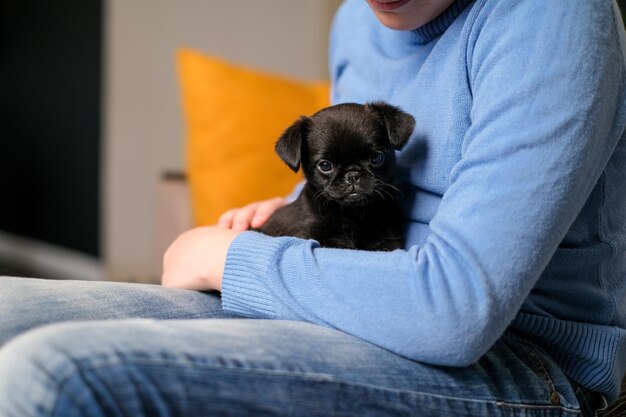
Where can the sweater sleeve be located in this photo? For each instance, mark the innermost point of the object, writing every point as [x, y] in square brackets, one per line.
[548, 110]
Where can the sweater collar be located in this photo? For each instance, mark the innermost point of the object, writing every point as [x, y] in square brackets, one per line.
[437, 26]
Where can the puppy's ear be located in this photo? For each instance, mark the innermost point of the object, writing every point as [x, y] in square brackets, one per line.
[399, 123]
[289, 145]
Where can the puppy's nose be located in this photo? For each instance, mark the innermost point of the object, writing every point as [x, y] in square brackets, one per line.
[352, 177]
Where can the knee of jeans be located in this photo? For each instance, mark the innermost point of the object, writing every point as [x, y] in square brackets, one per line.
[33, 369]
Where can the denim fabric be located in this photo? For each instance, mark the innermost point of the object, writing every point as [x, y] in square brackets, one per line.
[140, 350]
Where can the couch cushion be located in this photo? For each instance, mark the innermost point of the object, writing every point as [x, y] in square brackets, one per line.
[233, 116]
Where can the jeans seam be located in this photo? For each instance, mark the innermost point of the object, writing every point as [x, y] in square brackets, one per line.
[504, 404]
[60, 387]
[540, 369]
[318, 377]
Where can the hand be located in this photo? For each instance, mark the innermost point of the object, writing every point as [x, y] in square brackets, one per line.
[253, 215]
[196, 259]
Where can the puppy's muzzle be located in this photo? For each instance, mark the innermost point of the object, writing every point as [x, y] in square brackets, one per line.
[352, 177]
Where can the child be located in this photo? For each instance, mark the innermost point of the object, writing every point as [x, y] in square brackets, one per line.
[508, 300]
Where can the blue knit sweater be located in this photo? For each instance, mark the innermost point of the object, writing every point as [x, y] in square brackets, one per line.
[515, 191]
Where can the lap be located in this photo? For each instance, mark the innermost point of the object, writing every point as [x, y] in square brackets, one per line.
[26, 303]
[261, 367]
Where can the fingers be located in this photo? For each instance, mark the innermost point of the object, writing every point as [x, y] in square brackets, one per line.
[226, 219]
[265, 210]
[238, 219]
[243, 217]
[253, 215]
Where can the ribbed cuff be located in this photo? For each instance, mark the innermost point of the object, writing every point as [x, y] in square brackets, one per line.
[245, 290]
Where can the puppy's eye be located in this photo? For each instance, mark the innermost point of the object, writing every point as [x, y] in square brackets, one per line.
[378, 158]
[325, 166]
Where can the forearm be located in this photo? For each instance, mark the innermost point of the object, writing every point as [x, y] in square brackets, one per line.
[394, 300]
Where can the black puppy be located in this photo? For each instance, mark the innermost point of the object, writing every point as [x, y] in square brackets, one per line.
[347, 154]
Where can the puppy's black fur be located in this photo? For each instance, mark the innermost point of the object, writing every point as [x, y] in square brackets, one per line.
[347, 154]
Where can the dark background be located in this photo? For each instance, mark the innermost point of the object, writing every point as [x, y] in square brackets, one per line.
[50, 94]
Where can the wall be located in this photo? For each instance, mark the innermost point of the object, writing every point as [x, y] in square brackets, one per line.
[143, 127]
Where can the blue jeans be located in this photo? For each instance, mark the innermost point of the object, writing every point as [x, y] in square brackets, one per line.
[109, 349]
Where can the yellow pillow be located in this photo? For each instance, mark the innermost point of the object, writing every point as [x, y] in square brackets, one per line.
[234, 115]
